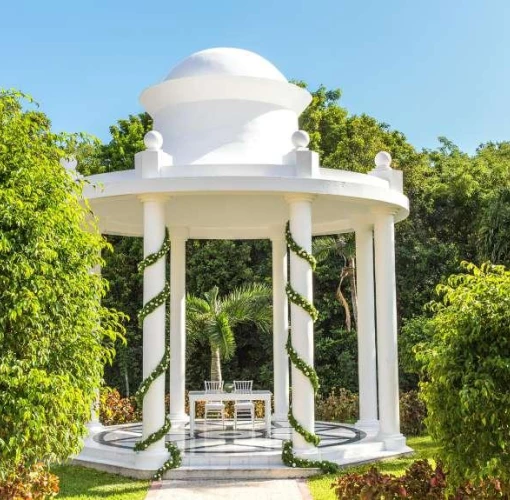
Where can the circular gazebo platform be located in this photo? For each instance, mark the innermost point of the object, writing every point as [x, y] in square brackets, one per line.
[229, 453]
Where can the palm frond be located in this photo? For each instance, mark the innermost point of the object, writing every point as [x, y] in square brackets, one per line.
[249, 304]
[198, 312]
[221, 335]
[323, 247]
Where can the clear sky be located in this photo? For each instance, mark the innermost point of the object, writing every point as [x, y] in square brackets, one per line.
[426, 67]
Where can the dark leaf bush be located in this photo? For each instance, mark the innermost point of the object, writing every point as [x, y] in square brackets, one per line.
[412, 414]
[29, 483]
[341, 405]
[114, 409]
[420, 481]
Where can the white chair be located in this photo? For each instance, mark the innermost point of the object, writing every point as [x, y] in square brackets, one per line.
[216, 408]
[247, 407]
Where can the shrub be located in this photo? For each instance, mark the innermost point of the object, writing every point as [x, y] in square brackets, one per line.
[114, 409]
[488, 489]
[419, 482]
[369, 485]
[467, 367]
[412, 414]
[341, 405]
[30, 483]
[55, 336]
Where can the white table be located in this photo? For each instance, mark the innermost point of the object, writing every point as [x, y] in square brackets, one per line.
[195, 396]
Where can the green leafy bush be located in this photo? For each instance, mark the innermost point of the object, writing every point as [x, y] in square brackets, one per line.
[467, 367]
[341, 405]
[29, 483]
[55, 336]
[412, 414]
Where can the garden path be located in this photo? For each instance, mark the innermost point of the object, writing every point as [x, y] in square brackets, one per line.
[273, 489]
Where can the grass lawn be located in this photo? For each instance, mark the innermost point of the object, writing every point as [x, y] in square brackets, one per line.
[424, 447]
[80, 483]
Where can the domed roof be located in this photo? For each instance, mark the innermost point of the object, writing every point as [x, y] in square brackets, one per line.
[224, 61]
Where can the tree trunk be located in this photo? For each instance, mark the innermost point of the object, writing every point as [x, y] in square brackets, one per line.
[354, 289]
[342, 300]
[215, 364]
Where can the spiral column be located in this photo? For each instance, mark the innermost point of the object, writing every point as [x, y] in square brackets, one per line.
[301, 345]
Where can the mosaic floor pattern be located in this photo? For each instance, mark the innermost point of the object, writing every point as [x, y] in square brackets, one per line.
[244, 439]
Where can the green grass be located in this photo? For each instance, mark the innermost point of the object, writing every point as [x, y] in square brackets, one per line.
[424, 447]
[80, 483]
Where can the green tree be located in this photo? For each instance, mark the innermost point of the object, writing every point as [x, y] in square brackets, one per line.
[55, 336]
[121, 269]
[215, 318]
[344, 246]
[467, 366]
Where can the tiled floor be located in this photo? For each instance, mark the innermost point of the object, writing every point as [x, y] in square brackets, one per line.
[214, 439]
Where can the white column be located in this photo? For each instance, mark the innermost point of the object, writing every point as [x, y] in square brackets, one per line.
[154, 323]
[367, 365]
[301, 279]
[386, 307]
[280, 327]
[178, 238]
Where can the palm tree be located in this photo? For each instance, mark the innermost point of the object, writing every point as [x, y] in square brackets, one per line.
[343, 246]
[215, 318]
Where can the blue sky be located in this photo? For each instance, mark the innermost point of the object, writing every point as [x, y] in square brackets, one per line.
[428, 68]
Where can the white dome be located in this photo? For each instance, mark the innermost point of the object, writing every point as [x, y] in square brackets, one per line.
[225, 61]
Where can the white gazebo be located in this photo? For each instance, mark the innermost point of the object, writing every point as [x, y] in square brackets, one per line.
[226, 161]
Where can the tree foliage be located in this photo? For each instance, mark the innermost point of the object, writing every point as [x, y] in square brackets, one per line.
[54, 334]
[467, 365]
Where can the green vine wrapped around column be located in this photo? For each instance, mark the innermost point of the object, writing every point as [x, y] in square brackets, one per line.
[307, 370]
[297, 249]
[175, 454]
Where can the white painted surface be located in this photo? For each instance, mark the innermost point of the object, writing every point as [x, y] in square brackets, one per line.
[280, 326]
[301, 280]
[178, 237]
[367, 365]
[225, 61]
[154, 323]
[387, 352]
[225, 105]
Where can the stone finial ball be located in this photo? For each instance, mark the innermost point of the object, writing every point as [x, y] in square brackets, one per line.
[153, 140]
[300, 139]
[383, 159]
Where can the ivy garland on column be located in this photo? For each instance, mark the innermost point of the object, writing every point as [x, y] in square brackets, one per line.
[307, 370]
[175, 454]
